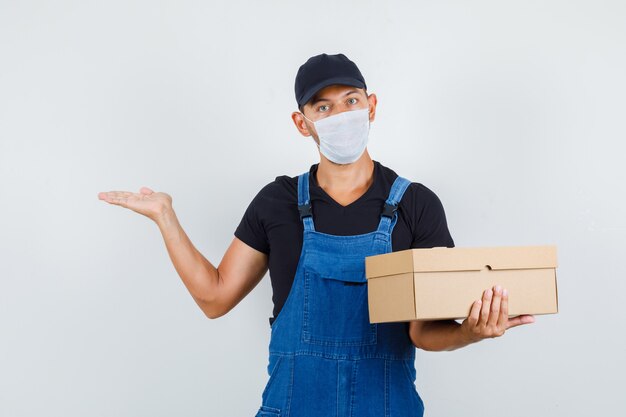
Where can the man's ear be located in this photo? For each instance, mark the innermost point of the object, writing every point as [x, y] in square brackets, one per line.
[372, 100]
[298, 120]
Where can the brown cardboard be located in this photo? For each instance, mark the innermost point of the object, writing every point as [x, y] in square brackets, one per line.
[442, 283]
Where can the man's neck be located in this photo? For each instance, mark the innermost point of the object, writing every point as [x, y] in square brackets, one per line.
[346, 183]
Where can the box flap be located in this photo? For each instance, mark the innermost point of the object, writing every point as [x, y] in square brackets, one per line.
[461, 259]
[475, 259]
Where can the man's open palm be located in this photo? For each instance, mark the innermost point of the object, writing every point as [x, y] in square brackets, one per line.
[146, 202]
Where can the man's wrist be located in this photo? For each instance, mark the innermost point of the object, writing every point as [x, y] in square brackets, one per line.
[467, 336]
[166, 218]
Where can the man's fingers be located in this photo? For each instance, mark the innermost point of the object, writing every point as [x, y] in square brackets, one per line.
[518, 320]
[146, 202]
[113, 194]
[504, 310]
[513, 322]
[495, 306]
[116, 197]
[474, 313]
[484, 312]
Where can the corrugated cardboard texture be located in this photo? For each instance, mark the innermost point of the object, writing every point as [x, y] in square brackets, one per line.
[446, 281]
[398, 292]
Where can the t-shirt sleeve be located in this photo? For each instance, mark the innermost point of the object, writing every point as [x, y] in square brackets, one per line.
[431, 228]
[251, 230]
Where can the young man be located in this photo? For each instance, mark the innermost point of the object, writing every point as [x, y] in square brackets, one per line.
[313, 232]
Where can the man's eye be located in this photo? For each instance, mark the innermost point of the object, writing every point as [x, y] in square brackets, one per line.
[352, 100]
[323, 108]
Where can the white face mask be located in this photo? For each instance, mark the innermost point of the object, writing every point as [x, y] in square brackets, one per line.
[343, 137]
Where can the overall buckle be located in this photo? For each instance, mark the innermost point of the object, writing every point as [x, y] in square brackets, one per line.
[305, 211]
[389, 210]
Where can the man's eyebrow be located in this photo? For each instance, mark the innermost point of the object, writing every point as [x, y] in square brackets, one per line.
[317, 99]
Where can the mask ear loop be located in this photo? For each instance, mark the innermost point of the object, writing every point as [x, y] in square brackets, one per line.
[307, 118]
[313, 123]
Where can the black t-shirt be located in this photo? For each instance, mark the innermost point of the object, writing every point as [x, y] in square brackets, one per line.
[272, 225]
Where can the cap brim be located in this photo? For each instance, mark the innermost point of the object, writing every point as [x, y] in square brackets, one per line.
[331, 81]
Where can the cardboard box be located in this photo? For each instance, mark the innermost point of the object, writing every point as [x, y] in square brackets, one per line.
[442, 283]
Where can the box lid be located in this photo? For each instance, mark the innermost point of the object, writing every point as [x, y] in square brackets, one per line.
[461, 259]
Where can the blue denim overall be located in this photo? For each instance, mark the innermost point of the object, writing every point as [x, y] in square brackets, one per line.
[325, 358]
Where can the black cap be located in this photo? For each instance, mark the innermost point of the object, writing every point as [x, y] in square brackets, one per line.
[323, 70]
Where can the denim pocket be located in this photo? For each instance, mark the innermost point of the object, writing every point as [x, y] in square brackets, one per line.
[273, 369]
[277, 392]
[265, 411]
[335, 311]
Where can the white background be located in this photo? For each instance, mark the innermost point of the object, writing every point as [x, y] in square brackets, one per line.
[512, 112]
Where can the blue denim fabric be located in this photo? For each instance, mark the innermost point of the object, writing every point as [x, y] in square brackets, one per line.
[325, 358]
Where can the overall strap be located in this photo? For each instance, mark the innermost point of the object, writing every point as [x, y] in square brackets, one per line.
[389, 216]
[304, 202]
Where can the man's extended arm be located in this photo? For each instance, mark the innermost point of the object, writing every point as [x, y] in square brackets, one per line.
[215, 290]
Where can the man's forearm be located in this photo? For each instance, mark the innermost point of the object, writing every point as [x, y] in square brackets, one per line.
[198, 274]
[439, 335]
